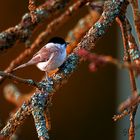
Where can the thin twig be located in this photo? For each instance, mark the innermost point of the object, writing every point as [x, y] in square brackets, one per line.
[21, 80]
[120, 116]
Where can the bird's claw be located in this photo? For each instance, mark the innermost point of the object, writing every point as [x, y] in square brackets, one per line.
[49, 80]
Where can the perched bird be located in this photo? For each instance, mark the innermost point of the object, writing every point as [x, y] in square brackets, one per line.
[49, 57]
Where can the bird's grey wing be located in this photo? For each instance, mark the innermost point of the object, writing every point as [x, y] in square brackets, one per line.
[42, 50]
[44, 53]
[40, 56]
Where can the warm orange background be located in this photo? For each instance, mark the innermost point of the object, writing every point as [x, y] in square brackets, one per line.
[83, 108]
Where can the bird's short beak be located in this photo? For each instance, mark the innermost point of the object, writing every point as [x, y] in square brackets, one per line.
[67, 43]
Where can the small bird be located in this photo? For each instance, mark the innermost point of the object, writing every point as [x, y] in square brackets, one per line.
[49, 57]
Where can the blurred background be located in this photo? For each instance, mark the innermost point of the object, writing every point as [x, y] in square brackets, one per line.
[83, 108]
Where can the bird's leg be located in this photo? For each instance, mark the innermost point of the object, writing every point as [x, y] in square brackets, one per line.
[47, 78]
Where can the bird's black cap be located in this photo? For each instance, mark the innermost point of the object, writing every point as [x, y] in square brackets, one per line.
[58, 40]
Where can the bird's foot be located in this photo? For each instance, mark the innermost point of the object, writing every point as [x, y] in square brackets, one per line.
[49, 80]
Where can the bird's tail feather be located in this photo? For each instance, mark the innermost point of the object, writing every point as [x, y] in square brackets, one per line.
[21, 66]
